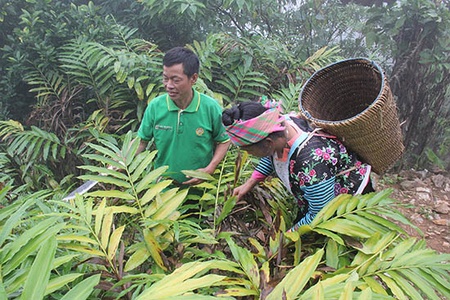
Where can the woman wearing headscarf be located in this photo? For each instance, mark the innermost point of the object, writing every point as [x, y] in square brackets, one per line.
[314, 166]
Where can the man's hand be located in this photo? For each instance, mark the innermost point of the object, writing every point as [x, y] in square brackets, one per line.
[196, 180]
[193, 181]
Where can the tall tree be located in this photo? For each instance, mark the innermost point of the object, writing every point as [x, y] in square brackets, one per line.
[415, 35]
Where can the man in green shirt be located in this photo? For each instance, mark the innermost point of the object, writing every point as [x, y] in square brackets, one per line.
[185, 125]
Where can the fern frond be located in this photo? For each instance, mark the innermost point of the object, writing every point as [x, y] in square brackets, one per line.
[322, 57]
[85, 61]
[409, 269]
[357, 216]
[243, 84]
[49, 84]
[187, 278]
[9, 128]
[288, 96]
[34, 144]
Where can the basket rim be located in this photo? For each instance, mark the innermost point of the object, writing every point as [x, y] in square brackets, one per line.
[321, 70]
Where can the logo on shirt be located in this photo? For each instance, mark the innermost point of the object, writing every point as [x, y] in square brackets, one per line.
[199, 131]
[163, 127]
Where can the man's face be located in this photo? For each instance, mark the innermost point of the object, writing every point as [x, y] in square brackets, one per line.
[177, 84]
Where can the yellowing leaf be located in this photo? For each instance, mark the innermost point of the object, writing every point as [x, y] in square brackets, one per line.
[106, 229]
[83, 249]
[294, 282]
[197, 174]
[170, 205]
[114, 241]
[137, 258]
[153, 191]
[149, 178]
[121, 209]
[154, 248]
[99, 216]
[79, 238]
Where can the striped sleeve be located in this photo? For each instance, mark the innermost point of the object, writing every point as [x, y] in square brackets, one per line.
[317, 196]
[265, 166]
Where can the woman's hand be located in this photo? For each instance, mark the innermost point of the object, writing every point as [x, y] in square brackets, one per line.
[240, 191]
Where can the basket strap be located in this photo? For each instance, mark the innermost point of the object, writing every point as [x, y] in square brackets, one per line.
[303, 143]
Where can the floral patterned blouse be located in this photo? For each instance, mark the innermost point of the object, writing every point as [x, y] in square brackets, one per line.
[321, 170]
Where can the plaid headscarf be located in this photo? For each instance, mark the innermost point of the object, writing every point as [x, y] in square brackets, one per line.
[244, 133]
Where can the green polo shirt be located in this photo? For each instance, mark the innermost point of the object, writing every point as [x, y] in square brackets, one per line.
[185, 139]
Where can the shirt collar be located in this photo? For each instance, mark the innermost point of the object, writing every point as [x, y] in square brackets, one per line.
[193, 106]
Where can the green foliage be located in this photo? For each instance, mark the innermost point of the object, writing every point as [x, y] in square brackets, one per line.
[85, 76]
[30, 154]
[34, 33]
[353, 247]
[242, 84]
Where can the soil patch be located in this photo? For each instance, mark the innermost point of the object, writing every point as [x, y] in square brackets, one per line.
[425, 202]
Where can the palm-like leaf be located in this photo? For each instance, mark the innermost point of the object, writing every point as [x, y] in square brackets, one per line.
[144, 200]
[357, 216]
[92, 65]
[322, 57]
[186, 279]
[383, 257]
[28, 149]
[48, 85]
[242, 84]
[407, 268]
[288, 97]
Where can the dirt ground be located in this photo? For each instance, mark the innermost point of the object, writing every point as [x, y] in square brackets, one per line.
[426, 198]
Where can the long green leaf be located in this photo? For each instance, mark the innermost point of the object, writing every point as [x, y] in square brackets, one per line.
[83, 289]
[61, 281]
[112, 194]
[247, 262]
[149, 178]
[337, 238]
[170, 205]
[346, 227]
[32, 245]
[39, 275]
[421, 284]
[3, 294]
[14, 219]
[393, 286]
[330, 209]
[153, 191]
[181, 279]
[106, 179]
[292, 285]
[138, 170]
[406, 286]
[13, 247]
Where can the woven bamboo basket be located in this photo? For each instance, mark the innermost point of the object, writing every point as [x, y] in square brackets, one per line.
[351, 99]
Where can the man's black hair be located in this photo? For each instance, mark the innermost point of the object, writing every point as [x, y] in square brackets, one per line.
[181, 55]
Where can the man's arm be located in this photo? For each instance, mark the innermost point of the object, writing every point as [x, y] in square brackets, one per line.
[219, 154]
